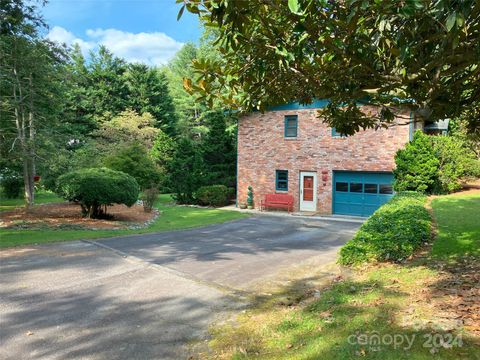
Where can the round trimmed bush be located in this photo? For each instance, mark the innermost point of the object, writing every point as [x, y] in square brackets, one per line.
[96, 188]
[214, 195]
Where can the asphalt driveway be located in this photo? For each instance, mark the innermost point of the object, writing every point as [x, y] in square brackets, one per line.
[146, 296]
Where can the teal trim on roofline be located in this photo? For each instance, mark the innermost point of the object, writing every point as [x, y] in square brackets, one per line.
[316, 104]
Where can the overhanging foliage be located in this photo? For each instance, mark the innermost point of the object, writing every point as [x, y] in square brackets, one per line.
[421, 53]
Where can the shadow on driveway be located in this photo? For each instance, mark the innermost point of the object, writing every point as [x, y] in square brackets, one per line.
[239, 252]
[79, 300]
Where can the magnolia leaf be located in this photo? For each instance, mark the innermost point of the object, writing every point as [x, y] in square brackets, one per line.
[381, 25]
[460, 20]
[187, 84]
[452, 18]
[294, 7]
[180, 13]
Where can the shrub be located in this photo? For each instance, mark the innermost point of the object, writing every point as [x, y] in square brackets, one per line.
[148, 197]
[232, 193]
[12, 183]
[392, 233]
[213, 195]
[456, 161]
[416, 166]
[250, 196]
[94, 188]
[62, 161]
[473, 168]
[133, 159]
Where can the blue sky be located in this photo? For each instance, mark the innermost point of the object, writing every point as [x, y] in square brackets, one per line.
[138, 30]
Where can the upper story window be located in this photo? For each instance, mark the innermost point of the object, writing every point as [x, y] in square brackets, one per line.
[291, 125]
[336, 134]
[281, 180]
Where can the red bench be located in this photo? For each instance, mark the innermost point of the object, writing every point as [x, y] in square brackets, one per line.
[277, 201]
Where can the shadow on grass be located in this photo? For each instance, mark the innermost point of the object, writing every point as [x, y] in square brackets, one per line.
[349, 319]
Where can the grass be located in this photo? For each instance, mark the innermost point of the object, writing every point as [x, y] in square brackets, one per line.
[172, 218]
[42, 197]
[394, 301]
[458, 219]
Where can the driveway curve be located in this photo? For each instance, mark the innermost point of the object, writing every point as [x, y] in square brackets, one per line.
[146, 296]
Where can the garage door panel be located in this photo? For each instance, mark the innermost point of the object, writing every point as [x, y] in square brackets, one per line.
[360, 193]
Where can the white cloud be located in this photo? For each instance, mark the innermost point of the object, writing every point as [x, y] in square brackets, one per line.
[62, 36]
[153, 48]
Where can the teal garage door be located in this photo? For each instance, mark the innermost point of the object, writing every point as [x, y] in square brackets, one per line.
[360, 193]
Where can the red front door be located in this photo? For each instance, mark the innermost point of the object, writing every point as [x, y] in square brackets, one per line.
[308, 188]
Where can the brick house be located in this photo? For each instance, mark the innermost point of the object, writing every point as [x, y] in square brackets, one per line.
[289, 150]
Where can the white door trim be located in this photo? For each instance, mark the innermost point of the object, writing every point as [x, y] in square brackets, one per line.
[308, 205]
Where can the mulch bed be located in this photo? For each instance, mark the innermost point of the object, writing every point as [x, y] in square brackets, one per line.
[456, 295]
[65, 215]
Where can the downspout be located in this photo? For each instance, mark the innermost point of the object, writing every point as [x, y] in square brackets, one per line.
[236, 175]
[411, 126]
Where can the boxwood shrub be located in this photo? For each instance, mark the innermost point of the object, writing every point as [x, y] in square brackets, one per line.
[214, 195]
[392, 233]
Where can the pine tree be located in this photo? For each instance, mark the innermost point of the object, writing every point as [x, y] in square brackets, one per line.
[78, 121]
[218, 151]
[30, 90]
[148, 92]
[186, 171]
[107, 92]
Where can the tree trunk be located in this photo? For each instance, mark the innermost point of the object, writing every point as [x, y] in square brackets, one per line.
[26, 144]
[30, 198]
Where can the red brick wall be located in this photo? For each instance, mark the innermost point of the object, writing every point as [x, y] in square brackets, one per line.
[262, 149]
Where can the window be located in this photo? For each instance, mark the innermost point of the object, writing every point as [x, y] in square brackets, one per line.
[291, 123]
[336, 134]
[341, 186]
[281, 181]
[371, 188]
[386, 189]
[356, 187]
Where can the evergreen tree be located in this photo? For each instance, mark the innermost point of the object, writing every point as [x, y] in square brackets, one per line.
[31, 92]
[219, 153]
[188, 108]
[78, 121]
[186, 171]
[163, 149]
[417, 168]
[107, 92]
[148, 92]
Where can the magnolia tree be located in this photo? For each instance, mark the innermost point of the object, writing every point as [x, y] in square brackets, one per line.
[424, 54]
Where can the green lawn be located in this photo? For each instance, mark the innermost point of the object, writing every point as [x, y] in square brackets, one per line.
[172, 218]
[42, 197]
[458, 226]
[389, 300]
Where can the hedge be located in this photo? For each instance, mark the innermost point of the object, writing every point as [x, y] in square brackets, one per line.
[214, 195]
[392, 233]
